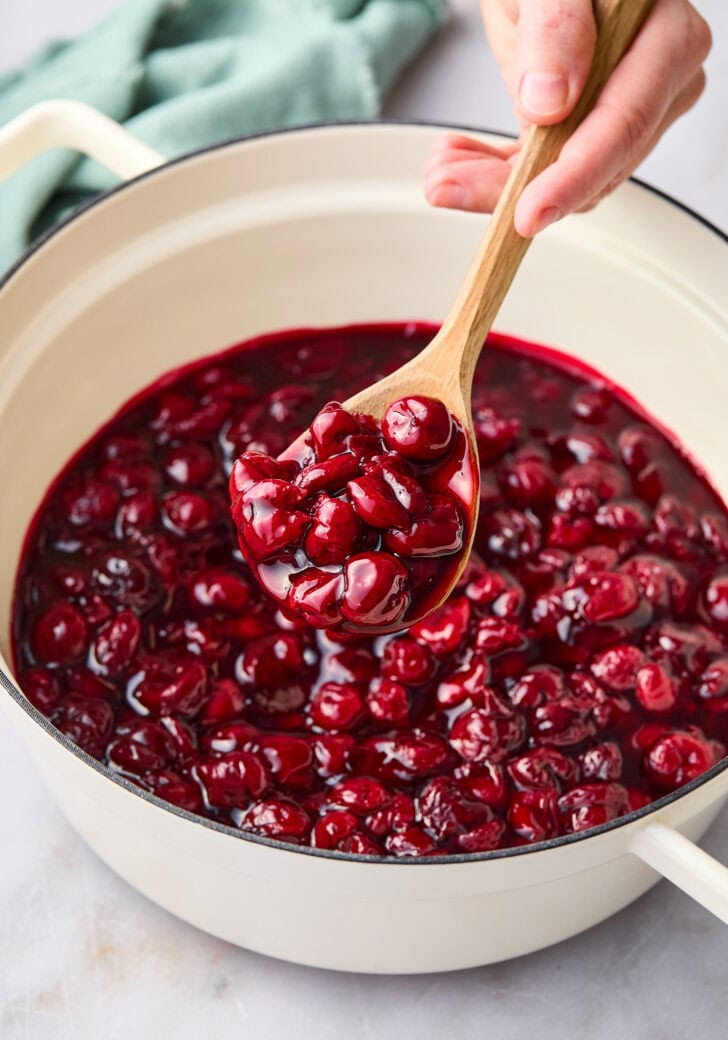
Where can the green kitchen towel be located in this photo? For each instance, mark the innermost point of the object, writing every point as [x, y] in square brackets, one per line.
[182, 74]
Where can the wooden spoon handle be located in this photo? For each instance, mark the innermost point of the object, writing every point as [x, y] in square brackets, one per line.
[502, 248]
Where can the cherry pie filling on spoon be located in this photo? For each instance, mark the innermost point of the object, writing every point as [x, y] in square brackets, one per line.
[578, 671]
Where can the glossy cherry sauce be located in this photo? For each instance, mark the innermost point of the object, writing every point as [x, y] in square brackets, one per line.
[578, 671]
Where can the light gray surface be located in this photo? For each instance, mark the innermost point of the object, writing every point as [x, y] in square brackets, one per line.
[82, 955]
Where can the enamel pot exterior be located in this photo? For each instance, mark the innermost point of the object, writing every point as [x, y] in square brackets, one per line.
[326, 226]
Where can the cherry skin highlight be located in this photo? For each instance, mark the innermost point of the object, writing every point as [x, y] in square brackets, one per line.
[577, 672]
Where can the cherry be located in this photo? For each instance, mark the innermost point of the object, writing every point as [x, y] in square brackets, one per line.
[529, 482]
[141, 746]
[168, 683]
[315, 595]
[333, 533]
[60, 635]
[714, 529]
[512, 534]
[116, 643]
[405, 756]
[273, 659]
[189, 464]
[405, 488]
[590, 404]
[359, 794]
[410, 842]
[336, 706]
[444, 629]
[42, 689]
[446, 811]
[330, 429]
[533, 815]
[542, 767]
[438, 533]
[388, 702]
[478, 736]
[329, 474]
[123, 577]
[332, 829]
[226, 701]
[483, 838]
[187, 513]
[602, 762]
[353, 664]
[407, 661]
[93, 502]
[494, 433]
[713, 682]
[126, 447]
[716, 600]
[289, 759]
[137, 513]
[358, 844]
[87, 722]
[174, 788]
[660, 581]
[285, 403]
[418, 428]
[639, 445]
[220, 589]
[331, 753]
[231, 780]
[654, 688]
[277, 818]
[611, 596]
[679, 757]
[375, 590]
[592, 805]
[619, 666]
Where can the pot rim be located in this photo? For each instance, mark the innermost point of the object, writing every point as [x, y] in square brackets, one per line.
[47, 726]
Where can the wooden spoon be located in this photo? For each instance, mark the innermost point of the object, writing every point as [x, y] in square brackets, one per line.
[445, 368]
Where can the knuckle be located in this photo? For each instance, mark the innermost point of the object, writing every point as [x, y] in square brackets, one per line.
[635, 125]
[699, 36]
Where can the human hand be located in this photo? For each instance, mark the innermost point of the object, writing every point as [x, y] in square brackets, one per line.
[545, 49]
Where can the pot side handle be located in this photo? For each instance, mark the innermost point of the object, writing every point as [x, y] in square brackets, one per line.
[687, 866]
[75, 125]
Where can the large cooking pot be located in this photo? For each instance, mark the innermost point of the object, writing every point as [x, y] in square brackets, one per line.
[322, 226]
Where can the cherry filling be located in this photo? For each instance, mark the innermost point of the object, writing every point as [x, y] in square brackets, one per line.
[578, 671]
[359, 526]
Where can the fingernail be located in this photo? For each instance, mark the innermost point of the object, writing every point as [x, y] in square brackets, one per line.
[450, 195]
[543, 93]
[547, 216]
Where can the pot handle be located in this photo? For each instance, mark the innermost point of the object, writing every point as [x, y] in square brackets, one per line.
[687, 866]
[73, 124]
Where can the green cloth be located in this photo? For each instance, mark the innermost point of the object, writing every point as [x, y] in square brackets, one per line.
[182, 74]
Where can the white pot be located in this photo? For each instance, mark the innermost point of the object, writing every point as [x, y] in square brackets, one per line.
[326, 226]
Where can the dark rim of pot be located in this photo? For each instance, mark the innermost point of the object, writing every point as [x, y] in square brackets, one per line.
[201, 821]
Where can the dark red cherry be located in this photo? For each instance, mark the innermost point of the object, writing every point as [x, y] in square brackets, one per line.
[418, 428]
[60, 635]
[375, 590]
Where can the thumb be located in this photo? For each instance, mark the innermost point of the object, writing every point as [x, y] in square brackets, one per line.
[554, 50]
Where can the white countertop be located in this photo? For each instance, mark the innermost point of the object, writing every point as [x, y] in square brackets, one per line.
[82, 955]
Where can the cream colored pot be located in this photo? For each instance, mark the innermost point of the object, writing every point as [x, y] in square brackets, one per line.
[322, 226]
